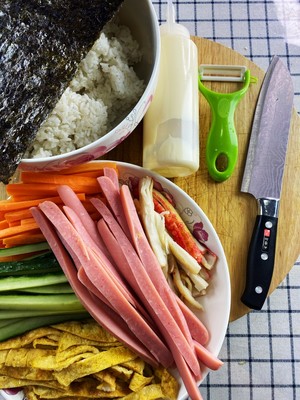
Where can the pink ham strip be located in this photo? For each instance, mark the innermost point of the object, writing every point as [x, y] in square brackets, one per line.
[112, 195]
[70, 199]
[196, 327]
[77, 224]
[98, 274]
[207, 358]
[121, 283]
[121, 262]
[150, 261]
[111, 173]
[154, 303]
[104, 315]
[189, 380]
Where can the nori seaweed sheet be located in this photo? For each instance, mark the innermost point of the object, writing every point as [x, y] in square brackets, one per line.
[41, 45]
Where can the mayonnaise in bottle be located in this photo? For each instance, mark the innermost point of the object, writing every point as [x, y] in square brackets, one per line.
[171, 124]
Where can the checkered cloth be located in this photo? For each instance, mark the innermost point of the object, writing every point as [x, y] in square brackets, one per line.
[261, 350]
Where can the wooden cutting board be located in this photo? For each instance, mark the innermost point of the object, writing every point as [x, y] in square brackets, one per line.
[231, 212]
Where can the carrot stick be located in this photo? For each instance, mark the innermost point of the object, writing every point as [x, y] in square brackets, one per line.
[47, 189]
[14, 230]
[19, 205]
[24, 238]
[38, 177]
[26, 221]
[91, 166]
[3, 224]
[14, 223]
[17, 215]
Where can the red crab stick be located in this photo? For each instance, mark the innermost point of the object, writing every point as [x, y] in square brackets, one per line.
[178, 229]
[97, 273]
[104, 315]
[154, 303]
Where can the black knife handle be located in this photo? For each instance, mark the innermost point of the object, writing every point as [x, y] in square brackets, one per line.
[260, 262]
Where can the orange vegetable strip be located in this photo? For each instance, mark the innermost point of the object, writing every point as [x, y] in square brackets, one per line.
[14, 223]
[22, 197]
[27, 221]
[17, 215]
[38, 177]
[3, 224]
[19, 205]
[24, 238]
[91, 166]
[47, 189]
[89, 174]
[14, 230]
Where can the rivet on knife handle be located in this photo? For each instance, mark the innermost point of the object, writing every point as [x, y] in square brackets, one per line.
[261, 254]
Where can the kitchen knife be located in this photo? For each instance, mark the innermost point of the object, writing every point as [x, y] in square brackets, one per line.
[263, 176]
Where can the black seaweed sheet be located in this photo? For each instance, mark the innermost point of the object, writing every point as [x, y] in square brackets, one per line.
[41, 45]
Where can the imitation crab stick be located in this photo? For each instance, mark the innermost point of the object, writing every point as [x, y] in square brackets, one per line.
[179, 231]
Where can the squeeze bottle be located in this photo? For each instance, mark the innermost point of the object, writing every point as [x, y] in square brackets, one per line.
[171, 124]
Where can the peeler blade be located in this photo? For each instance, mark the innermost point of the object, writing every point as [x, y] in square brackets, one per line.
[222, 73]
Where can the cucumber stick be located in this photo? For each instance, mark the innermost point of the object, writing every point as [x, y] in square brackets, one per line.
[22, 282]
[6, 315]
[25, 249]
[25, 324]
[50, 289]
[41, 302]
[39, 264]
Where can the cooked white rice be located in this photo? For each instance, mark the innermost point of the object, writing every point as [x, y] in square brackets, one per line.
[103, 91]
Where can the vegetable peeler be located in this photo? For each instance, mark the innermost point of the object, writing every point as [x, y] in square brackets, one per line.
[222, 142]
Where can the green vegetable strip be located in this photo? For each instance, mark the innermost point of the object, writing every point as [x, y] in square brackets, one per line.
[57, 288]
[26, 324]
[8, 321]
[23, 282]
[38, 264]
[40, 302]
[28, 248]
[10, 314]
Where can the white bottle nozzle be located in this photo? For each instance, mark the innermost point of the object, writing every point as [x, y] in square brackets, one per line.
[171, 26]
[171, 18]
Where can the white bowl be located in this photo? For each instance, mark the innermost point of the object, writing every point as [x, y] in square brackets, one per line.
[217, 300]
[140, 17]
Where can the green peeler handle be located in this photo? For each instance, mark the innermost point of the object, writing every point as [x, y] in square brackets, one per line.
[222, 141]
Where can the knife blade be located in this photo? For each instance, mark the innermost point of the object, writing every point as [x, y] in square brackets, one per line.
[263, 177]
